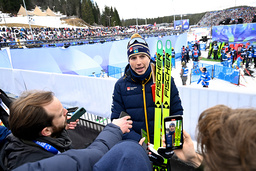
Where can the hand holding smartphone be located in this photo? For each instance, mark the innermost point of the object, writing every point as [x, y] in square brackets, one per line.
[77, 114]
[173, 127]
[123, 114]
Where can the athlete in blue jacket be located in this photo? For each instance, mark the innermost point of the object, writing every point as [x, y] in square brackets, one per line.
[133, 93]
[205, 78]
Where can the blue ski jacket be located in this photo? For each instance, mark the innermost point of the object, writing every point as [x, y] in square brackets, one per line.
[135, 98]
[82, 159]
[205, 78]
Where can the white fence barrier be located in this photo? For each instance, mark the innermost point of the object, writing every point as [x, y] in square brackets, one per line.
[95, 94]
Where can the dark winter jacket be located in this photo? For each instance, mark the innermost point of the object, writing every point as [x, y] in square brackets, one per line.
[135, 98]
[82, 159]
[18, 152]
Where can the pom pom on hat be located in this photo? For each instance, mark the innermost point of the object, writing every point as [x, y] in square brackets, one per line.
[136, 35]
[137, 45]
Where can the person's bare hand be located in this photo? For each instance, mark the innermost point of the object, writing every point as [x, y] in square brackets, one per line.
[188, 153]
[71, 125]
[142, 140]
[124, 124]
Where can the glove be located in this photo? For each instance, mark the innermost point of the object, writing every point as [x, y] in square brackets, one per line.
[154, 157]
[166, 153]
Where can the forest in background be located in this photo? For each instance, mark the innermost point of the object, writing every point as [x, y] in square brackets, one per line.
[90, 12]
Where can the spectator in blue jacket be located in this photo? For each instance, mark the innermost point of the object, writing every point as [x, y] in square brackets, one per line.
[106, 153]
[205, 78]
[195, 54]
[184, 73]
[133, 93]
[38, 121]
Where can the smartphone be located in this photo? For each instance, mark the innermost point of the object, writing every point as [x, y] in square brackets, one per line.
[173, 127]
[122, 114]
[145, 143]
[77, 114]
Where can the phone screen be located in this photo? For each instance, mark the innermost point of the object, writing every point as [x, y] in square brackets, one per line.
[173, 132]
[144, 134]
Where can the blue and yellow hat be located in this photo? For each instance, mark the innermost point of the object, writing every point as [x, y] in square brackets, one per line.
[137, 45]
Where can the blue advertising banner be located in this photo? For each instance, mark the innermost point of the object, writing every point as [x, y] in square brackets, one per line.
[234, 33]
[184, 24]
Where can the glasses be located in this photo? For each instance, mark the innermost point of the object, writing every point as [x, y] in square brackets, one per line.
[137, 40]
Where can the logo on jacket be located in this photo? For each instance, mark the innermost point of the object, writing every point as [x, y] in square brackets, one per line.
[131, 88]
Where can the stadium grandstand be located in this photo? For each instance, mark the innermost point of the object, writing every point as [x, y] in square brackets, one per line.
[14, 36]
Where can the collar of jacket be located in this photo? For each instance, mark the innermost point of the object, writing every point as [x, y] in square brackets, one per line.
[128, 74]
[61, 143]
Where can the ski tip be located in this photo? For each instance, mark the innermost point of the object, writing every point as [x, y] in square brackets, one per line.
[159, 45]
[168, 45]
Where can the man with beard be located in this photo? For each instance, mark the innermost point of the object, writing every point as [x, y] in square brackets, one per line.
[38, 124]
[38, 121]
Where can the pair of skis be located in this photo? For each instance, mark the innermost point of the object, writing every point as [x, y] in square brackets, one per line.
[162, 90]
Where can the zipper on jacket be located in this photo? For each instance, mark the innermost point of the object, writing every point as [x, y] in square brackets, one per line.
[145, 110]
[145, 106]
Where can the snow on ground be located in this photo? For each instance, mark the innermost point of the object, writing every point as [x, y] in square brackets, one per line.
[247, 84]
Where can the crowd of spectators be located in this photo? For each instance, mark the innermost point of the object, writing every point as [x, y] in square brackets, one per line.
[10, 34]
[228, 16]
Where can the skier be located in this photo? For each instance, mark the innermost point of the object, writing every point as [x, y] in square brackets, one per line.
[205, 78]
[170, 137]
[133, 93]
[184, 73]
